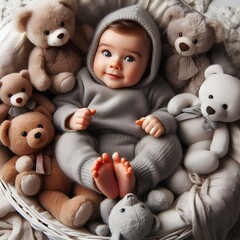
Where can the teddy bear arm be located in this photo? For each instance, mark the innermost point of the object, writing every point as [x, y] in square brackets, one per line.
[37, 70]
[180, 101]
[8, 172]
[116, 235]
[220, 141]
[3, 112]
[43, 101]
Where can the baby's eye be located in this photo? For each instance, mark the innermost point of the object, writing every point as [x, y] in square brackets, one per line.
[129, 59]
[106, 53]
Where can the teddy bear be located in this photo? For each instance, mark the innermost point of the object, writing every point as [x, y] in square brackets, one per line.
[59, 43]
[190, 36]
[16, 94]
[202, 121]
[132, 218]
[34, 170]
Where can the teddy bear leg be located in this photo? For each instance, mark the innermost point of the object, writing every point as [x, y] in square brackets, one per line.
[94, 197]
[179, 181]
[63, 82]
[74, 212]
[28, 183]
[201, 162]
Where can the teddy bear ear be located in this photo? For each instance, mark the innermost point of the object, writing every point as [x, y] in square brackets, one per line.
[25, 73]
[173, 12]
[44, 111]
[213, 69]
[218, 29]
[4, 133]
[156, 224]
[71, 4]
[20, 18]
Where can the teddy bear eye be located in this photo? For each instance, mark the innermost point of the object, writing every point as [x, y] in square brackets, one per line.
[122, 210]
[24, 134]
[195, 41]
[210, 96]
[180, 34]
[142, 206]
[23, 90]
[62, 24]
[9, 95]
[224, 106]
[46, 32]
[40, 126]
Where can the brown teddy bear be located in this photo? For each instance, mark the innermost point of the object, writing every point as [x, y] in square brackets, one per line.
[34, 169]
[191, 35]
[59, 45]
[16, 93]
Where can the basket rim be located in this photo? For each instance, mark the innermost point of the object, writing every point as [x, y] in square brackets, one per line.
[56, 230]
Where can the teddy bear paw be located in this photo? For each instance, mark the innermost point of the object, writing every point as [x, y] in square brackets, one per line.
[30, 185]
[64, 82]
[83, 214]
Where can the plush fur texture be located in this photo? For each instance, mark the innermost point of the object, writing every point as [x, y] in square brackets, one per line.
[203, 129]
[57, 56]
[34, 170]
[190, 35]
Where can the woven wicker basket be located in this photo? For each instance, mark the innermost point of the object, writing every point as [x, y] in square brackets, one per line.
[41, 221]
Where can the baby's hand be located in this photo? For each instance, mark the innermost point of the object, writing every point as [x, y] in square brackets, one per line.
[80, 119]
[151, 125]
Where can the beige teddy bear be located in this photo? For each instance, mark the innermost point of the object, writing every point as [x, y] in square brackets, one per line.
[59, 45]
[190, 35]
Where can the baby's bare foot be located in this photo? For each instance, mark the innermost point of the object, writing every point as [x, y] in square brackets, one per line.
[124, 174]
[103, 175]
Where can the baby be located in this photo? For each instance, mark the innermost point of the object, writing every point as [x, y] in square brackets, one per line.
[118, 135]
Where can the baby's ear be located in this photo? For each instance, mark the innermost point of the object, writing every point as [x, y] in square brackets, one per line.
[21, 17]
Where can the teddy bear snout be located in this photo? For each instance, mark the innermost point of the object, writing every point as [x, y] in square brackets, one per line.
[210, 110]
[58, 37]
[19, 99]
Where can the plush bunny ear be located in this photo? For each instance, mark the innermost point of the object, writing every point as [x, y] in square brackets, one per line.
[71, 4]
[213, 69]
[217, 28]
[21, 17]
[4, 132]
[173, 12]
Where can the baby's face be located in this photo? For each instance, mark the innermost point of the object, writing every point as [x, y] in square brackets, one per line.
[121, 59]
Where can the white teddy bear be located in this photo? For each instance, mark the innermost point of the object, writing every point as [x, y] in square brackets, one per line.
[202, 120]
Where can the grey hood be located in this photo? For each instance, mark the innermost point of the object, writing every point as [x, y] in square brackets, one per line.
[140, 15]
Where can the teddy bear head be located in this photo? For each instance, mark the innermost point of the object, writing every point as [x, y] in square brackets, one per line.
[219, 95]
[130, 218]
[16, 89]
[47, 23]
[191, 33]
[28, 133]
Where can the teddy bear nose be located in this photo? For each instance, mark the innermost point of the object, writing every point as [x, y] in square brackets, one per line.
[19, 100]
[183, 46]
[37, 135]
[210, 110]
[60, 36]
